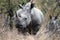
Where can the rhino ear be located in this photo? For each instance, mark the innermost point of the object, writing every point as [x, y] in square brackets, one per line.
[28, 0]
[16, 15]
[32, 5]
[50, 17]
[56, 17]
[20, 6]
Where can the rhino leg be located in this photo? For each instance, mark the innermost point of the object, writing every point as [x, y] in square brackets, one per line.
[35, 29]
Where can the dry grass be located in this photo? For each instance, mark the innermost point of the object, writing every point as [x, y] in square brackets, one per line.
[7, 34]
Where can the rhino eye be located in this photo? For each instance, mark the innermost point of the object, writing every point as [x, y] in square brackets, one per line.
[19, 15]
[25, 18]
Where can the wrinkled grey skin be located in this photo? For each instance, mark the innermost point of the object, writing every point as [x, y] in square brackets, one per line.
[27, 15]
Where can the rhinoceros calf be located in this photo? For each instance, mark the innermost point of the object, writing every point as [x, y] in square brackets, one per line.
[29, 15]
[52, 24]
